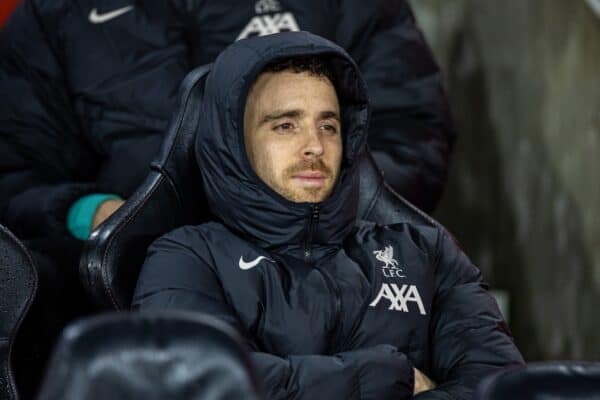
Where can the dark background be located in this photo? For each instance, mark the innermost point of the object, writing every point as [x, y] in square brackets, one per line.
[523, 199]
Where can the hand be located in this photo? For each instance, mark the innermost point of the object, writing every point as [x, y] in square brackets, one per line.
[105, 210]
[422, 382]
[382, 371]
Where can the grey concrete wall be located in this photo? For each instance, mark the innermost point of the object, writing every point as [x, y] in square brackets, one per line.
[524, 194]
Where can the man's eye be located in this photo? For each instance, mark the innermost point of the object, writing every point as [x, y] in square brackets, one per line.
[329, 128]
[286, 126]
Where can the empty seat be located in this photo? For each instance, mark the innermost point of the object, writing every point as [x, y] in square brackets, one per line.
[129, 356]
[544, 381]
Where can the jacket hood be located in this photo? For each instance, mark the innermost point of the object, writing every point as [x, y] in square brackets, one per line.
[236, 195]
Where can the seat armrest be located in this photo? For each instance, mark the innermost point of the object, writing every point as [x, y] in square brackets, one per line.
[115, 251]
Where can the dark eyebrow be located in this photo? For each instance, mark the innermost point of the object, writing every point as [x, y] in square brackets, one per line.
[329, 115]
[280, 114]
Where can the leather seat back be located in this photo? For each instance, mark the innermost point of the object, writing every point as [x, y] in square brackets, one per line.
[379, 203]
[544, 381]
[171, 196]
[169, 355]
[18, 287]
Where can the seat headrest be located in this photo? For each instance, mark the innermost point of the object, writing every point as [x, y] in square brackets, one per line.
[174, 355]
[544, 381]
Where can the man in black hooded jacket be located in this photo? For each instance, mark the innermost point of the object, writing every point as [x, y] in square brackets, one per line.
[87, 90]
[332, 307]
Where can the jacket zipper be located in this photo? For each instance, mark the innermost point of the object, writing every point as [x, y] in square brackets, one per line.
[337, 328]
[312, 224]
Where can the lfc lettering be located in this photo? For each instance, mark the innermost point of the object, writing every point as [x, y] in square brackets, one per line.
[392, 273]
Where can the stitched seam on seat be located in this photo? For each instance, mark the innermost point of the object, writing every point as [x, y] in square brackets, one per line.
[171, 183]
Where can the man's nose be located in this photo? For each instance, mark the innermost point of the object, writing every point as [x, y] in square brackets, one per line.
[313, 146]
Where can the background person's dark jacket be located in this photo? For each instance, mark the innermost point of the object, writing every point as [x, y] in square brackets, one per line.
[335, 308]
[85, 105]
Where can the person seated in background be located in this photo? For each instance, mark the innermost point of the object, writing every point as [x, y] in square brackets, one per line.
[88, 91]
[331, 307]
[88, 88]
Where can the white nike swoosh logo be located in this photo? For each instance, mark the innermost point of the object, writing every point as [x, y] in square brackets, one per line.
[249, 265]
[96, 18]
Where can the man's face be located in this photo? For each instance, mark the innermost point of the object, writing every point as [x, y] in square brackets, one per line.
[293, 135]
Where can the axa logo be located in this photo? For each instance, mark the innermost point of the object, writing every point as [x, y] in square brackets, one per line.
[390, 269]
[399, 297]
[270, 19]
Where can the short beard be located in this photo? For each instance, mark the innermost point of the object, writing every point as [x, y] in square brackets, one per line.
[311, 195]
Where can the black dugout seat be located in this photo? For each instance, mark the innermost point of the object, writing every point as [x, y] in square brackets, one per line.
[171, 196]
[129, 356]
[544, 381]
[18, 287]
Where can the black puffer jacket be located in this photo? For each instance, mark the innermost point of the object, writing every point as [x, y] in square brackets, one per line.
[87, 89]
[333, 308]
